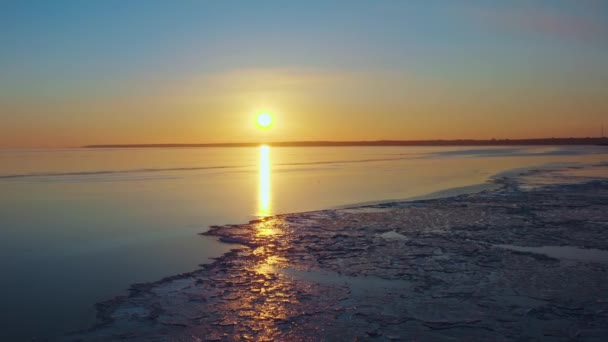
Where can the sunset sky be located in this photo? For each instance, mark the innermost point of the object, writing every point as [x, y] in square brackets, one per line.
[98, 72]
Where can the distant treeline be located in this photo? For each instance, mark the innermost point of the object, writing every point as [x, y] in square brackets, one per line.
[461, 142]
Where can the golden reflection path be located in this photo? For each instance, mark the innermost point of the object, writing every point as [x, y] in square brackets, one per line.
[261, 301]
[267, 297]
[264, 197]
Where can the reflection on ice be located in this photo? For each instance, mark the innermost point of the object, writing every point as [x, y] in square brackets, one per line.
[266, 229]
[266, 299]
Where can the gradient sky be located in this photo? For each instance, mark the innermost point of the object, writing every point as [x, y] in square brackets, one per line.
[94, 72]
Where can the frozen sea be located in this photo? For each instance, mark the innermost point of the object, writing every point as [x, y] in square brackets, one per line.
[78, 226]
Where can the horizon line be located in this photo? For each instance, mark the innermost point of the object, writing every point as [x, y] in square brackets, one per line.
[328, 143]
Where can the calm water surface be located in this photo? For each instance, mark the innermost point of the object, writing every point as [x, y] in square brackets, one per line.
[77, 226]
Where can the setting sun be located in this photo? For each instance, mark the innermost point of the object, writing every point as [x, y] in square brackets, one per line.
[264, 120]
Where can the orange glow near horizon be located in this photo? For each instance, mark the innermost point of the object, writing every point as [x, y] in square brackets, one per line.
[243, 106]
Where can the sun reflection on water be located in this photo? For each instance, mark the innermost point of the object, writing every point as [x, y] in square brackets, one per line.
[264, 181]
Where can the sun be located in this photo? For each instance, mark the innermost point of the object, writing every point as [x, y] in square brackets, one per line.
[264, 120]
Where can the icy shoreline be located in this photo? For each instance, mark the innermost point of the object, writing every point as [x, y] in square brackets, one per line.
[424, 270]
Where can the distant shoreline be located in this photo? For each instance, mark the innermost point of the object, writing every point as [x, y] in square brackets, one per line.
[459, 142]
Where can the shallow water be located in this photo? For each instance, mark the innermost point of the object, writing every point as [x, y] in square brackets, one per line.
[79, 225]
[563, 252]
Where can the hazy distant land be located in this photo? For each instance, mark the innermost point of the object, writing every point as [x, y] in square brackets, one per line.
[458, 142]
